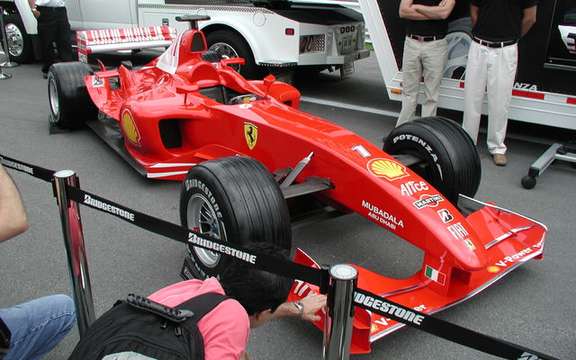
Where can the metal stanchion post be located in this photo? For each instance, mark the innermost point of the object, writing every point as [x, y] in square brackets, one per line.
[75, 250]
[340, 313]
[7, 63]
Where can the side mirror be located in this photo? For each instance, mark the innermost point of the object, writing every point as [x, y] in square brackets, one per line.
[186, 89]
[233, 61]
[268, 81]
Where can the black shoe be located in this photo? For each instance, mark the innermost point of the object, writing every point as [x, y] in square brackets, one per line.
[45, 75]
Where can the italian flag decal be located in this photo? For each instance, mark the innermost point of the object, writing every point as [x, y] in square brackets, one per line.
[435, 275]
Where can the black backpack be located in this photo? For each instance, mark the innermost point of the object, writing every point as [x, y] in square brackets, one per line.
[139, 326]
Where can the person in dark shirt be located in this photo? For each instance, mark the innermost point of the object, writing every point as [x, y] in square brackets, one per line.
[492, 60]
[425, 53]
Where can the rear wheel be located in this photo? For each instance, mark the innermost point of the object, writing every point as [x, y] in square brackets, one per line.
[70, 103]
[449, 159]
[228, 44]
[234, 200]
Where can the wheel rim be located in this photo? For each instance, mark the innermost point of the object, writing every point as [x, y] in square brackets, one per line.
[202, 218]
[15, 40]
[458, 46]
[53, 97]
[225, 51]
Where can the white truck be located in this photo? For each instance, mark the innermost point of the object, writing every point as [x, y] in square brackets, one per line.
[273, 33]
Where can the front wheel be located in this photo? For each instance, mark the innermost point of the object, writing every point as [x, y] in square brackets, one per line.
[236, 200]
[448, 157]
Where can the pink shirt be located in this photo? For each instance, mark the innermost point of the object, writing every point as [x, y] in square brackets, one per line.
[225, 329]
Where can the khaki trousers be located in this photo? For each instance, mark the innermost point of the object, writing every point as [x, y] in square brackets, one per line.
[422, 59]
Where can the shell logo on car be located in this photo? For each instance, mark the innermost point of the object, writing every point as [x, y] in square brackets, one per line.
[250, 134]
[129, 128]
[388, 169]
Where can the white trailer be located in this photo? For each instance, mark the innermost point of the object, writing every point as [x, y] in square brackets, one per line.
[544, 92]
[276, 33]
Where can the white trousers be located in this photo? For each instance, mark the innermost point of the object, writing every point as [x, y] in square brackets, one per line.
[422, 59]
[490, 70]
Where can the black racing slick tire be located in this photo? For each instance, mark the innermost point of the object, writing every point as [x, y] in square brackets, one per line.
[19, 42]
[236, 200]
[449, 159]
[70, 103]
[229, 44]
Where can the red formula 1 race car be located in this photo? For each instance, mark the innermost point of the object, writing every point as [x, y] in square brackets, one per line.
[252, 163]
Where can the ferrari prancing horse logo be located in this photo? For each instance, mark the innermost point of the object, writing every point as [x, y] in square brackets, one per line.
[251, 134]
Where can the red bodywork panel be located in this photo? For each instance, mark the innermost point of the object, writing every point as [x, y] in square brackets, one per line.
[462, 253]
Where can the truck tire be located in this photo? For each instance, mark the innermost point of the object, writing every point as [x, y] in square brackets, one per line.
[236, 200]
[70, 103]
[459, 38]
[450, 161]
[230, 44]
[19, 42]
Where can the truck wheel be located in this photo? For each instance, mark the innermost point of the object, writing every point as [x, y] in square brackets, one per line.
[229, 44]
[459, 38]
[70, 103]
[449, 159]
[236, 200]
[19, 43]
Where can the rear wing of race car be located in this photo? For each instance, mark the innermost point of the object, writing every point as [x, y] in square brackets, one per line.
[98, 41]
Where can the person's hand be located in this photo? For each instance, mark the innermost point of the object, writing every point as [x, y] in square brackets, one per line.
[35, 12]
[312, 303]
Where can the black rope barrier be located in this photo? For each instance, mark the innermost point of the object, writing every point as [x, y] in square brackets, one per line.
[35, 171]
[319, 277]
[272, 264]
[444, 329]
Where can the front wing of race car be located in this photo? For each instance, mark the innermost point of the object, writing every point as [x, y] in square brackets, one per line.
[510, 240]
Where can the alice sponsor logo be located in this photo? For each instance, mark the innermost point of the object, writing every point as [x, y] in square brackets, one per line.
[382, 216]
[412, 187]
[388, 169]
[111, 209]
[427, 200]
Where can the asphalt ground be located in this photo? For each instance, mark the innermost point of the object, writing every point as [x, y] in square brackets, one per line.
[533, 306]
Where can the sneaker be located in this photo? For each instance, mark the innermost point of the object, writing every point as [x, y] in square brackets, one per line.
[500, 159]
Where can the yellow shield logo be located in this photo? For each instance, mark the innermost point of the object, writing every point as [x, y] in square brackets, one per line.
[251, 135]
[129, 128]
[388, 169]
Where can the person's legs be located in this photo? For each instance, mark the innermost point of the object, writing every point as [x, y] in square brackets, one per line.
[47, 34]
[501, 76]
[411, 74]
[474, 87]
[434, 57]
[38, 326]
[63, 34]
